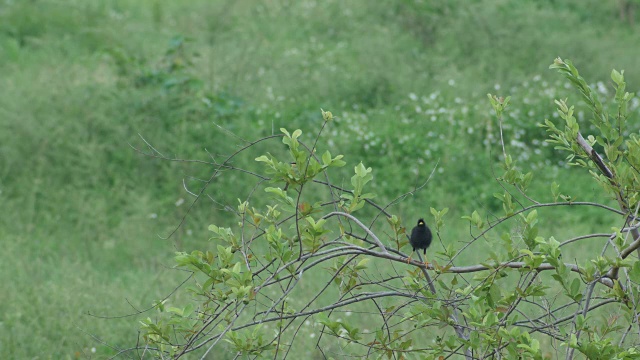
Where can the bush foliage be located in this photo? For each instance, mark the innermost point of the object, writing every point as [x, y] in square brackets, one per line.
[307, 252]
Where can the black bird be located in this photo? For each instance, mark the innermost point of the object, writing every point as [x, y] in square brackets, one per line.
[420, 239]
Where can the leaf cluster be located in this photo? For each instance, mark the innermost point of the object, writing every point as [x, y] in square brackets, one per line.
[312, 255]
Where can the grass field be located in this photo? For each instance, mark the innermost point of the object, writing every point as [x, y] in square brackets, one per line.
[84, 213]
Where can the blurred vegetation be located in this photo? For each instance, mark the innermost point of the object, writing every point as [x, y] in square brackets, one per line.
[83, 213]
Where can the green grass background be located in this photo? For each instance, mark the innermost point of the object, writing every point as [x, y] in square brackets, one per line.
[83, 213]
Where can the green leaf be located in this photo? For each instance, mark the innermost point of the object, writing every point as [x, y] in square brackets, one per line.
[326, 115]
[336, 162]
[264, 158]
[362, 264]
[495, 293]
[475, 219]
[617, 77]
[175, 310]
[634, 273]
[532, 217]
[326, 158]
[575, 289]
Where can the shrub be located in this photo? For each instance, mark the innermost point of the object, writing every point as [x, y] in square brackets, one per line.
[307, 252]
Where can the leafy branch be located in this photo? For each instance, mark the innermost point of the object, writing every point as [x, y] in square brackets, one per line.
[301, 253]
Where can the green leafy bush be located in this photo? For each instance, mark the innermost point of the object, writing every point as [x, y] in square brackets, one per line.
[302, 263]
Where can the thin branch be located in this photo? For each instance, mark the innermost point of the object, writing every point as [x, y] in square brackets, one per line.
[586, 299]
[361, 225]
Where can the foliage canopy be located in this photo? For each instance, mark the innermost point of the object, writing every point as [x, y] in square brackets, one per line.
[316, 251]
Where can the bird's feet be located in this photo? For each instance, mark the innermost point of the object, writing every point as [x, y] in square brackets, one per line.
[426, 263]
[408, 259]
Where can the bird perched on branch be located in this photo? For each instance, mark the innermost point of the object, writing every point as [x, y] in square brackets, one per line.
[420, 239]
